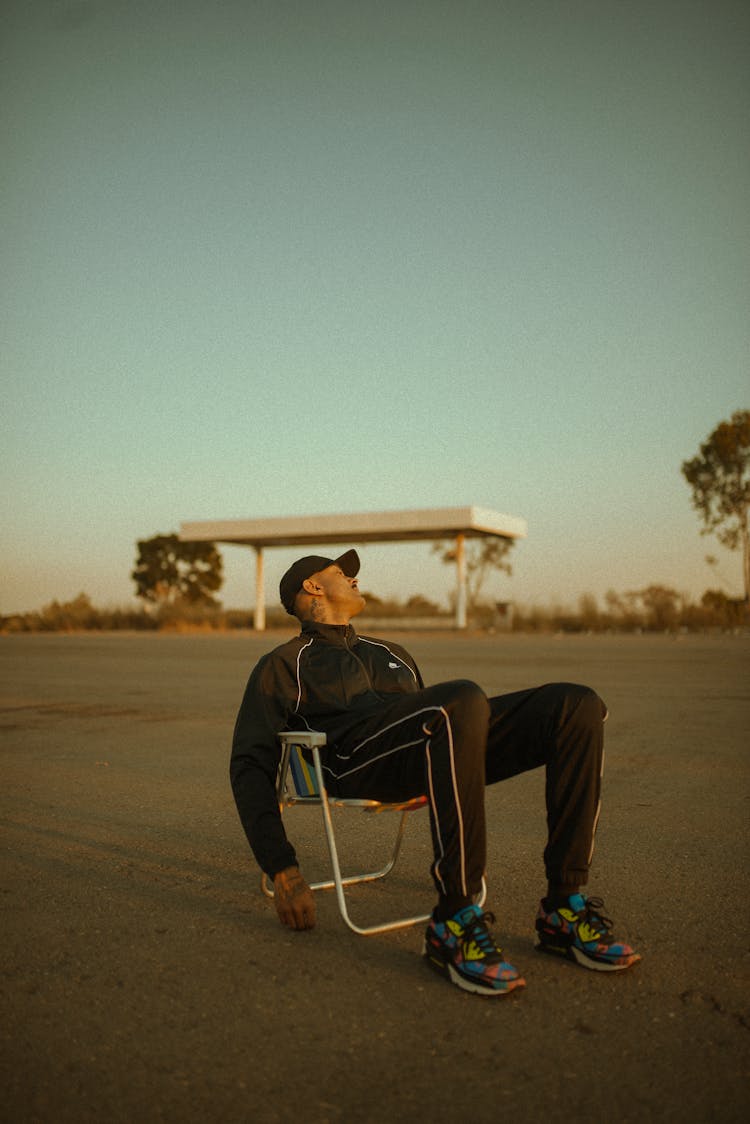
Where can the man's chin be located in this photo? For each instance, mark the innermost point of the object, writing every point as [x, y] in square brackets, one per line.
[358, 608]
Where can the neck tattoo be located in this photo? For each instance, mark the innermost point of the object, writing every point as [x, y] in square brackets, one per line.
[317, 611]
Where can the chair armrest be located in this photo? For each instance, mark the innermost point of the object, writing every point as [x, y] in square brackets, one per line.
[306, 738]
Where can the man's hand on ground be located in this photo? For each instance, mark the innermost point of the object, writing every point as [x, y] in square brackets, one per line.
[293, 899]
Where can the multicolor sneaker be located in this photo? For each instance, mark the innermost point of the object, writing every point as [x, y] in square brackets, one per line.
[464, 951]
[579, 932]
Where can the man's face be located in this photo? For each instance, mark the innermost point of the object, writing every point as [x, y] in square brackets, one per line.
[341, 592]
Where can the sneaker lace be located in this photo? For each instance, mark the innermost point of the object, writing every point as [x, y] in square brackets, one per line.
[594, 918]
[478, 931]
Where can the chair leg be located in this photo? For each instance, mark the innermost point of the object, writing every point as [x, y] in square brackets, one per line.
[350, 879]
[369, 876]
[339, 882]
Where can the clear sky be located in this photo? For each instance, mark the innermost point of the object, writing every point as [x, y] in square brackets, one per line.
[317, 256]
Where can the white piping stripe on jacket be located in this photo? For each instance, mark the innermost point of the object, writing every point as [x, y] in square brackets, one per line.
[390, 653]
[299, 677]
[429, 760]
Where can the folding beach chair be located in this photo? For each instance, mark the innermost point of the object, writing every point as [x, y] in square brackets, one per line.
[300, 781]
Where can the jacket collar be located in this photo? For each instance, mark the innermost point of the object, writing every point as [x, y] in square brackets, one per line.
[340, 634]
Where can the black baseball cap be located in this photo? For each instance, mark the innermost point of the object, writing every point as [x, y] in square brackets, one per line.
[304, 568]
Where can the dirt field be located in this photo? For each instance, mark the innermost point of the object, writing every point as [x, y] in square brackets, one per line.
[146, 979]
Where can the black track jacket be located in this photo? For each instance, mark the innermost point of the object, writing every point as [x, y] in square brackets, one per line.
[323, 679]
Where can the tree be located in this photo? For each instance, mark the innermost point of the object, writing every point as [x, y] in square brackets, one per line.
[168, 570]
[720, 479]
[482, 557]
[588, 611]
[726, 611]
[662, 607]
[69, 615]
[421, 606]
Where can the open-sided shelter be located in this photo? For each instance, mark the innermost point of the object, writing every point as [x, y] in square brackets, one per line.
[430, 524]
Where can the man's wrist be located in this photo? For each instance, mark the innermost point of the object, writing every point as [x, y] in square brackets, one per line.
[286, 873]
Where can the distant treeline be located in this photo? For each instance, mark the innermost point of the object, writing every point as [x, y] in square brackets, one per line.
[654, 609]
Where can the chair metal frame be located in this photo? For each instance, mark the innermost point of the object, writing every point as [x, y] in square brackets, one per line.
[297, 783]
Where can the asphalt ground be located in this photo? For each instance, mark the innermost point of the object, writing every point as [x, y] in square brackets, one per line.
[145, 978]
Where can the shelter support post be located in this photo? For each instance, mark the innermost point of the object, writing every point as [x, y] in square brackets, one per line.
[460, 580]
[259, 616]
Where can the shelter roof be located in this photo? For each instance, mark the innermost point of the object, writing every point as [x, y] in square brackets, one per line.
[358, 527]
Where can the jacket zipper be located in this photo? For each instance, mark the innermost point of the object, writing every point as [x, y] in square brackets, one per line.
[361, 663]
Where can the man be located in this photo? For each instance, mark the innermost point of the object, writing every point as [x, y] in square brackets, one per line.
[391, 738]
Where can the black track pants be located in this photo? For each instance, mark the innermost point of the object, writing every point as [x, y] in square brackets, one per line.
[449, 740]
